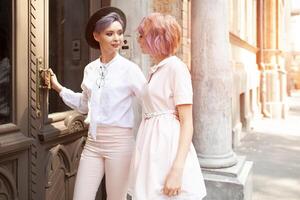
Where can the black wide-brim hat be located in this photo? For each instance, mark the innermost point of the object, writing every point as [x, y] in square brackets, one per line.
[90, 27]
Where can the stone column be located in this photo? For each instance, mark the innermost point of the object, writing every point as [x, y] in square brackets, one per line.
[260, 58]
[212, 77]
[227, 176]
[270, 58]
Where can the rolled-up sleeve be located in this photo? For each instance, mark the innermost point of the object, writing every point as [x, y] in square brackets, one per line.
[75, 100]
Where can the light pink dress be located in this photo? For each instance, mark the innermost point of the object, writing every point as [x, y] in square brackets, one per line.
[158, 136]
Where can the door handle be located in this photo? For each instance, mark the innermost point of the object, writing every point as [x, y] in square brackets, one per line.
[43, 77]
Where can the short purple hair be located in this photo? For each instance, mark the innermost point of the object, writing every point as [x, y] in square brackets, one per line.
[161, 32]
[106, 21]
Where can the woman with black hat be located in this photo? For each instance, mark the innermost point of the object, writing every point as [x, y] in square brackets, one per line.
[108, 87]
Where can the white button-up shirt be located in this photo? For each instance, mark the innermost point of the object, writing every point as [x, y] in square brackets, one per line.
[111, 103]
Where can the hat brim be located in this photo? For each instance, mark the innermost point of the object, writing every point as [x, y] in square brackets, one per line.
[90, 27]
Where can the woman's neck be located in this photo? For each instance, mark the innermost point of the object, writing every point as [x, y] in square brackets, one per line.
[157, 59]
[107, 57]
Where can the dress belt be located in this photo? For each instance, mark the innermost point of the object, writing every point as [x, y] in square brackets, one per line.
[149, 115]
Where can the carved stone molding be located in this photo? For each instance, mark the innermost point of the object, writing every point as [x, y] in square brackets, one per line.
[8, 190]
[61, 168]
[77, 153]
[34, 121]
[75, 122]
[59, 159]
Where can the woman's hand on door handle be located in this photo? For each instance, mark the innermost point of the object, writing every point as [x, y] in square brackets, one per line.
[54, 82]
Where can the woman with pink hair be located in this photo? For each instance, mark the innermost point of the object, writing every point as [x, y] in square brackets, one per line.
[165, 164]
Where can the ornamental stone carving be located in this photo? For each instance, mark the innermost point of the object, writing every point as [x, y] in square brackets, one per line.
[75, 122]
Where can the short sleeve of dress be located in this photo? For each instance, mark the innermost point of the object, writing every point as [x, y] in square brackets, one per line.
[182, 84]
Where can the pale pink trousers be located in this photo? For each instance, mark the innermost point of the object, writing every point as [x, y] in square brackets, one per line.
[109, 154]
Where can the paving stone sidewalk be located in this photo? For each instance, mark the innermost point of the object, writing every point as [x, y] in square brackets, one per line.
[274, 146]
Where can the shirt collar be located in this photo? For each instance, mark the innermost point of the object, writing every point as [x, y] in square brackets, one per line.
[111, 61]
[154, 68]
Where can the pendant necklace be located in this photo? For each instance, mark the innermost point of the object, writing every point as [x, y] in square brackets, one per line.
[100, 82]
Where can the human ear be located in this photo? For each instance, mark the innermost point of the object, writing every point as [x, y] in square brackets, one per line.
[96, 35]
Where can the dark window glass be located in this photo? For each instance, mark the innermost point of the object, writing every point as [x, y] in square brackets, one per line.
[5, 61]
[68, 50]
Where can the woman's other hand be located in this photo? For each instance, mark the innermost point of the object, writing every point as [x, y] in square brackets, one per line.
[172, 186]
[173, 181]
[54, 82]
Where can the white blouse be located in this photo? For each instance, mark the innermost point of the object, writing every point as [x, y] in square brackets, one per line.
[108, 101]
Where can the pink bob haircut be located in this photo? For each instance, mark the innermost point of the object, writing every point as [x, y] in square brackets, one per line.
[161, 32]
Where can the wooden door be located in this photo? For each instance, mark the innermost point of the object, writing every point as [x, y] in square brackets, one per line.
[57, 40]
[15, 139]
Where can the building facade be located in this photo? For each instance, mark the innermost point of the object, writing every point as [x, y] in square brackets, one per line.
[236, 47]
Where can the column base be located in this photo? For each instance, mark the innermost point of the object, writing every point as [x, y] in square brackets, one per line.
[285, 109]
[217, 161]
[275, 109]
[248, 121]
[237, 135]
[233, 183]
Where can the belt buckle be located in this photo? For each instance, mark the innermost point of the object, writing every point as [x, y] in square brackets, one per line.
[148, 115]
